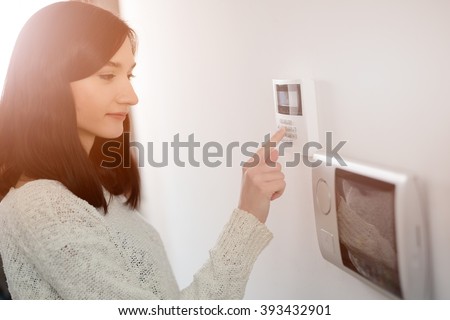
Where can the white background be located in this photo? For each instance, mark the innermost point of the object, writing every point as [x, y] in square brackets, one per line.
[13, 15]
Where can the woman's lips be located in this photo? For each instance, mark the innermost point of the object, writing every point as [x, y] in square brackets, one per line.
[118, 115]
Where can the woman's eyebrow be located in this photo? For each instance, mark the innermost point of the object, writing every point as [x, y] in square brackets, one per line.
[118, 64]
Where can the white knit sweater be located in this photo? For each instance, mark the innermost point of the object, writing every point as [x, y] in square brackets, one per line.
[55, 245]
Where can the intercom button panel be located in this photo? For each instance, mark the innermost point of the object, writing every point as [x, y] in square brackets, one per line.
[370, 223]
[295, 109]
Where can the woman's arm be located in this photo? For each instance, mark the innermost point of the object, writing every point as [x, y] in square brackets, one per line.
[225, 274]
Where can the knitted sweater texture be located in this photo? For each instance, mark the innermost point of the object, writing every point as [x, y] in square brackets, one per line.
[55, 245]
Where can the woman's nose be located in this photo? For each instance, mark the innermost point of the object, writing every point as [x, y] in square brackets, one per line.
[128, 95]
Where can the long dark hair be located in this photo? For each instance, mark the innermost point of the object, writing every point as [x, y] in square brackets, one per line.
[61, 43]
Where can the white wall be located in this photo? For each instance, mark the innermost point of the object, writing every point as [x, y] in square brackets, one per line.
[205, 67]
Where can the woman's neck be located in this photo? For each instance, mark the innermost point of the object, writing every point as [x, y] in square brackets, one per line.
[22, 180]
[87, 140]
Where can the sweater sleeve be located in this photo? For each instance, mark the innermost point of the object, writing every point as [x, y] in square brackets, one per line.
[67, 242]
[225, 274]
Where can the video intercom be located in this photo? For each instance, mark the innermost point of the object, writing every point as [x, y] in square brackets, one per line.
[370, 222]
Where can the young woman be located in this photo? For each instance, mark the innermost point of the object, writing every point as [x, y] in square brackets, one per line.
[69, 226]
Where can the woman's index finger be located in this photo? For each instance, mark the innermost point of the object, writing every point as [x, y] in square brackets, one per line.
[266, 149]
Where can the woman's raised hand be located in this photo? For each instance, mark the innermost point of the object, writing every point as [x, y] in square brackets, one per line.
[262, 179]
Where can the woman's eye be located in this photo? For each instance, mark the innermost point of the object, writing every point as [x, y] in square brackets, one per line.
[109, 76]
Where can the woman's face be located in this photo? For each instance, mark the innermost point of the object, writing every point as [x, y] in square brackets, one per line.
[103, 99]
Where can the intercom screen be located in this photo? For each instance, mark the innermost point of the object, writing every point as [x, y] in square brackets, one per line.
[366, 227]
[289, 99]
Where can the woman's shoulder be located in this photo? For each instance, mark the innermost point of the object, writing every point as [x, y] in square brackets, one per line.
[41, 195]
[39, 189]
[40, 183]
